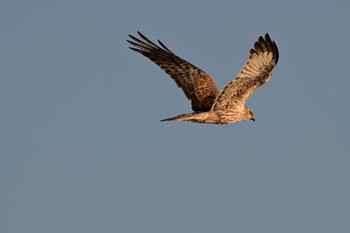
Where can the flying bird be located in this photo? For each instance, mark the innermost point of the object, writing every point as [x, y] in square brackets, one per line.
[209, 105]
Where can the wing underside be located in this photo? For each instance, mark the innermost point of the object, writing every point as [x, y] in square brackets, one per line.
[256, 72]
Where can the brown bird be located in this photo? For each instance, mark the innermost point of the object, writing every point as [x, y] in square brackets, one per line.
[209, 105]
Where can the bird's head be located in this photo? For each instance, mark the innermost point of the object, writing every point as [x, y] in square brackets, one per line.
[249, 114]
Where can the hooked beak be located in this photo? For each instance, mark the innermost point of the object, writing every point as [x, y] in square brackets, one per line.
[253, 118]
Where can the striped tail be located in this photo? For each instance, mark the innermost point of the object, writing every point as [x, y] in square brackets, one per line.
[194, 117]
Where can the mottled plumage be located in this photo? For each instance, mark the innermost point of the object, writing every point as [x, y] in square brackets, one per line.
[209, 104]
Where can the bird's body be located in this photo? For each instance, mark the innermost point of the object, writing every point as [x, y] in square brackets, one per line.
[221, 117]
[210, 105]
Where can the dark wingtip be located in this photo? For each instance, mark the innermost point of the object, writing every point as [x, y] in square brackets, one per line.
[277, 54]
[275, 49]
[267, 37]
[132, 37]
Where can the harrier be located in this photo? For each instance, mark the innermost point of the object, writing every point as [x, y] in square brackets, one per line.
[209, 105]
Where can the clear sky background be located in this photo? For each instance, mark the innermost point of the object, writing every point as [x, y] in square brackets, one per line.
[82, 148]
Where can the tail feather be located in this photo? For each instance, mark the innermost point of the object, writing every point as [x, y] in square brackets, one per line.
[183, 117]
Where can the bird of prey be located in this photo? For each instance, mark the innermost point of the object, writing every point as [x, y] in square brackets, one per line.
[209, 105]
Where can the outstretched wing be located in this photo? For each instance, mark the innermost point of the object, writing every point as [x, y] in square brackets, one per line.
[197, 85]
[256, 72]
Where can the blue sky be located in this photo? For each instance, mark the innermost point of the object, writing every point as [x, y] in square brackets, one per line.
[82, 148]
